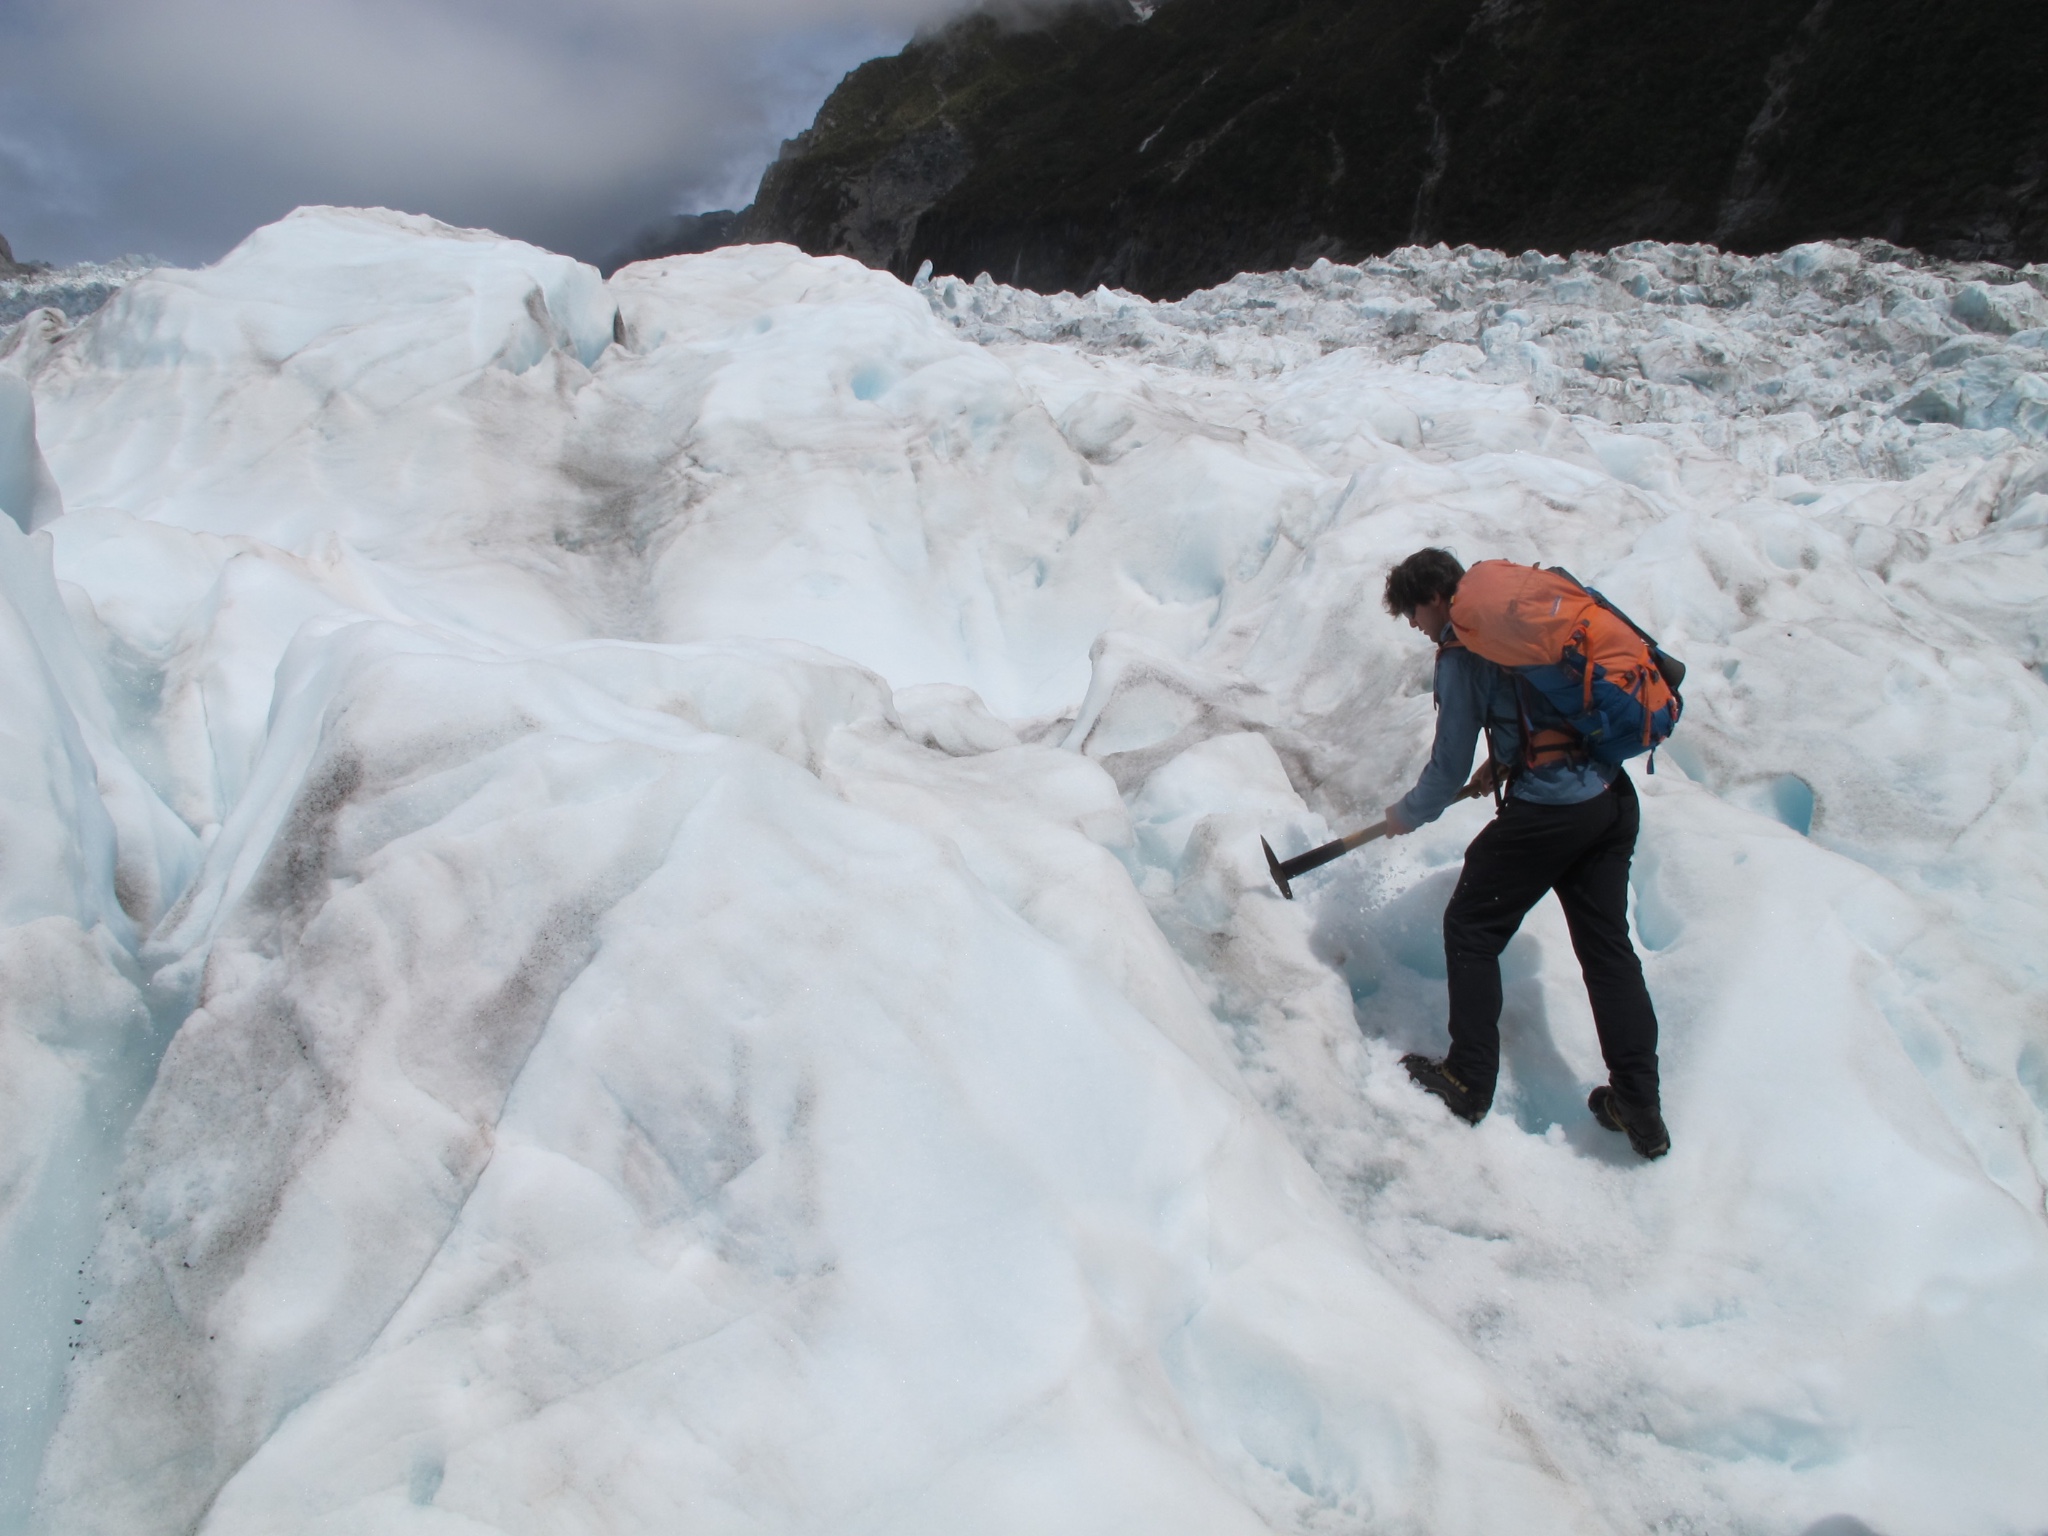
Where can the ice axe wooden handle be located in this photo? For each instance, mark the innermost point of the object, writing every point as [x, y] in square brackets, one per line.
[1316, 858]
[1285, 871]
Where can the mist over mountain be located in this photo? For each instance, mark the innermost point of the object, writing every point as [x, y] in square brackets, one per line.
[1163, 152]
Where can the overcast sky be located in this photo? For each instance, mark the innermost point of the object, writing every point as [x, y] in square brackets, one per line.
[174, 127]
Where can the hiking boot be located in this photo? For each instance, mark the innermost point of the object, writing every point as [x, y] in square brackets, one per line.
[1644, 1127]
[1434, 1077]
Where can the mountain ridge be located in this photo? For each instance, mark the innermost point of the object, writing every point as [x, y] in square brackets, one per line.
[1163, 153]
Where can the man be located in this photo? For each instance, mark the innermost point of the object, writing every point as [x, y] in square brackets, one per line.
[1565, 824]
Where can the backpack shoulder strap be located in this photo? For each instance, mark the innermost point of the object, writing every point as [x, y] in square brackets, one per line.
[1443, 649]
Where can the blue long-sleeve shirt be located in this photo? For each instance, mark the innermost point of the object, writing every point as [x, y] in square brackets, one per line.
[1472, 692]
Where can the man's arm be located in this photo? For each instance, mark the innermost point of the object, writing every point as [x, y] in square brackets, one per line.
[1460, 712]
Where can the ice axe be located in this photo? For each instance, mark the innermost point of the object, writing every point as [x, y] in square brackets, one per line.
[1316, 858]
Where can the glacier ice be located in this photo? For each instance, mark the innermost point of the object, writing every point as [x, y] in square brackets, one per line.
[73, 292]
[27, 492]
[633, 905]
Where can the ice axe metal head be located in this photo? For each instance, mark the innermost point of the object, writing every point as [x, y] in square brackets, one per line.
[1273, 864]
[1285, 870]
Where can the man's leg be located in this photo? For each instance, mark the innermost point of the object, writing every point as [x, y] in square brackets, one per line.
[1594, 894]
[1508, 867]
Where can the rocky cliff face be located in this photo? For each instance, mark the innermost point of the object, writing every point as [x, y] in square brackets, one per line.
[1166, 153]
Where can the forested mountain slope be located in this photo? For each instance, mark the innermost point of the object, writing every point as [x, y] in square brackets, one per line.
[1163, 154]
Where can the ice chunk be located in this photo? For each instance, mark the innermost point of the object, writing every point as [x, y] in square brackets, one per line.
[27, 493]
[953, 719]
[2002, 310]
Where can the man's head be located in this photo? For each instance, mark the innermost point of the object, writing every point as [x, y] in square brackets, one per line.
[1419, 589]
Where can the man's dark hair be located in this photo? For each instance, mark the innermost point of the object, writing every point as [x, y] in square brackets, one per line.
[1423, 577]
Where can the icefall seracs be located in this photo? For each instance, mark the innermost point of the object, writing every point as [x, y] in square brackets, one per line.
[1825, 360]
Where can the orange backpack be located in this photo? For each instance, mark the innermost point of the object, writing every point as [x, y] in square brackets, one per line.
[1585, 658]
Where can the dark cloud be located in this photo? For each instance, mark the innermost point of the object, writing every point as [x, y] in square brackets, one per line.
[176, 126]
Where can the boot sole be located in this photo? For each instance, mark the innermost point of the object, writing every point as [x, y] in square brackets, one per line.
[1431, 1078]
[1601, 1102]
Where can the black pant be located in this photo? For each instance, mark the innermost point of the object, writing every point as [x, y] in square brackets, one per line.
[1581, 852]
